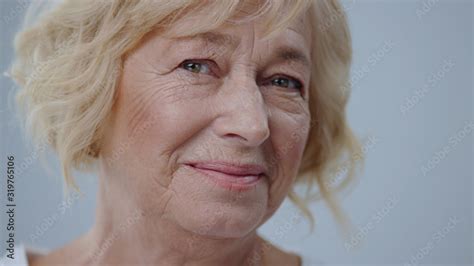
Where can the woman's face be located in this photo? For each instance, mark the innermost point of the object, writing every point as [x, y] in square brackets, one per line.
[208, 131]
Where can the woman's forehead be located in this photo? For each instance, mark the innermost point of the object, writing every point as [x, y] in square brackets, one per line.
[298, 31]
[266, 15]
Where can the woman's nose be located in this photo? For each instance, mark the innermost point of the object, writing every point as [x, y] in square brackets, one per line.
[243, 117]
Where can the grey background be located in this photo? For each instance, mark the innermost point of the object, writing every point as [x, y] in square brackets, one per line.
[418, 50]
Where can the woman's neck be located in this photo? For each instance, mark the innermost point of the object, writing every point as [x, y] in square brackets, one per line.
[126, 234]
[163, 243]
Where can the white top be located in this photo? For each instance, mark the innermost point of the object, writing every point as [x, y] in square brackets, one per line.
[20, 258]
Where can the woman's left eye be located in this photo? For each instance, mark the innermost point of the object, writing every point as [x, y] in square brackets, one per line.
[197, 67]
[286, 82]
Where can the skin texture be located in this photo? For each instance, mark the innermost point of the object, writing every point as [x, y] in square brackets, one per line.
[152, 208]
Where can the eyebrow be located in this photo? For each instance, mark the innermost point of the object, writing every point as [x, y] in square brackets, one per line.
[219, 39]
[293, 55]
[285, 53]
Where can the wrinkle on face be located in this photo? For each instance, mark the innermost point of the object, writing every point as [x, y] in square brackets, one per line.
[175, 115]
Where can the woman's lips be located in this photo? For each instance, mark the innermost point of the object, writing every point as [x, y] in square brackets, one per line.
[230, 176]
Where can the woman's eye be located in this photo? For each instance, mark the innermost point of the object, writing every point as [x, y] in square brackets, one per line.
[197, 67]
[286, 83]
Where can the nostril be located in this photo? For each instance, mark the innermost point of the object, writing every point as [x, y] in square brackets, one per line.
[233, 135]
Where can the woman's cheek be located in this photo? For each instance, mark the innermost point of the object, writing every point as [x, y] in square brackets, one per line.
[170, 118]
[289, 139]
[297, 143]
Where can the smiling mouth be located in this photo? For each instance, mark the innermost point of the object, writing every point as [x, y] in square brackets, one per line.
[232, 177]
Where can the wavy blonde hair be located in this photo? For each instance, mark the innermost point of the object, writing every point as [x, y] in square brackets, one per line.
[68, 63]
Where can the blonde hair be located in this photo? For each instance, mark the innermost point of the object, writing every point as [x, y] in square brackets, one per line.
[69, 61]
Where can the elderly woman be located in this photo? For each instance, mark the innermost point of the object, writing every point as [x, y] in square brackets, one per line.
[199, 118]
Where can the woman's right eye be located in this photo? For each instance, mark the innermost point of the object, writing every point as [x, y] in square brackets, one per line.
[197, 66]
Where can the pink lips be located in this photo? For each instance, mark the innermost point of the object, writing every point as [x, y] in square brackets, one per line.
[231, 176]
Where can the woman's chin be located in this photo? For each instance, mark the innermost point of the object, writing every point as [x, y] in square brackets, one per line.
[215, 221]
[201, 206]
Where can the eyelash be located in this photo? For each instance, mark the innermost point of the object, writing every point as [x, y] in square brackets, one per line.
[296, 83]
[212, 65]
[211, 68]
